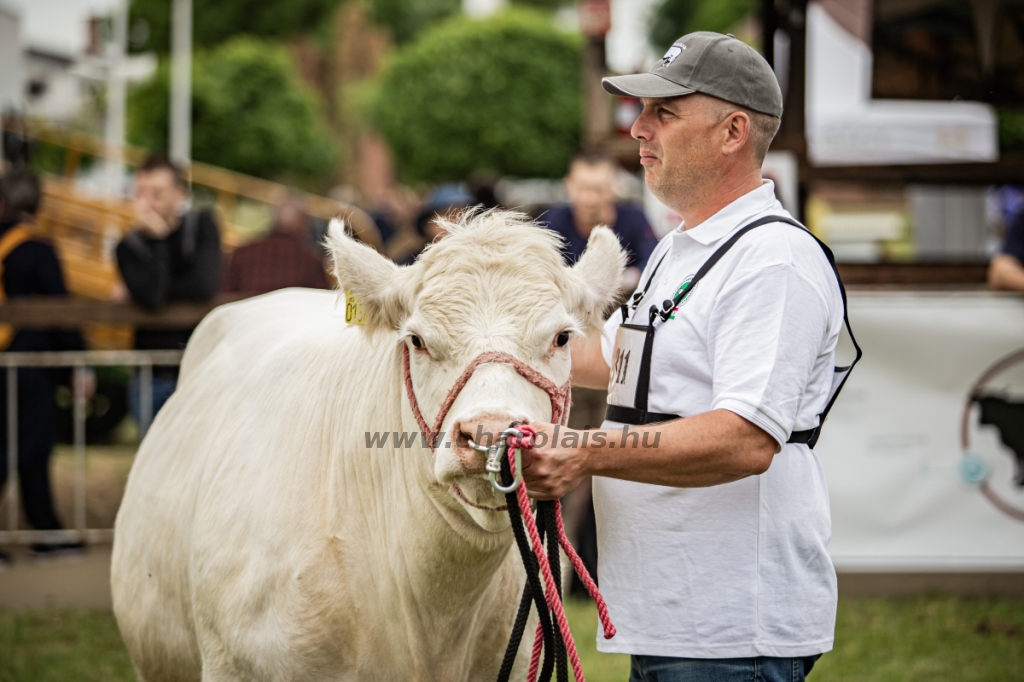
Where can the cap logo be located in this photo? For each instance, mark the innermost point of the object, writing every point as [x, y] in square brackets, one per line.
[672, 53]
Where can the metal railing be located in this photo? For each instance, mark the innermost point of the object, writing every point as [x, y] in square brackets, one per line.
[78, 361]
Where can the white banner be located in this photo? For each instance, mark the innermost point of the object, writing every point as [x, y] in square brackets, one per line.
[916, 481]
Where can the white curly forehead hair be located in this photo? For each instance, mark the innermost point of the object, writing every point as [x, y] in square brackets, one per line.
[488, 262]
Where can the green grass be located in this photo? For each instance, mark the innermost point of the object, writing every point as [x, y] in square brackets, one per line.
[931, 639]
[61, 646]
[582, 615]
[926, 639]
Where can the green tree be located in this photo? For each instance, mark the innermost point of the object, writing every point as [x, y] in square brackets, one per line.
[674, 18]
[500, 94]
[215, 21]
[406, 18]
[250, 113]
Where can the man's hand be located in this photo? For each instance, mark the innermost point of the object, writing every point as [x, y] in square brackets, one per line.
[707, 449]
[149, 221]
[1006, 273]
[119, 292]
[549, 470]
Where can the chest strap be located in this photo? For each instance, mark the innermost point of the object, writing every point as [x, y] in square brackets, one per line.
[639, 415]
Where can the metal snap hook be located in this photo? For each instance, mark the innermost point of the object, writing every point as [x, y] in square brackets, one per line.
[494, 454]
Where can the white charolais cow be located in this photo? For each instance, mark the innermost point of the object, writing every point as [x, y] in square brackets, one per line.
[261, 539]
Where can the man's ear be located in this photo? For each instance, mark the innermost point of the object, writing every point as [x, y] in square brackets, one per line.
[378, 284]
[598, 273]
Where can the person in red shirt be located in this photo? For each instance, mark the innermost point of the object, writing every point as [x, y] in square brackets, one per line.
[284, 258]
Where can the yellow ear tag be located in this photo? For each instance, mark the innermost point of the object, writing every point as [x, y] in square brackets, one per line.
[353, 311]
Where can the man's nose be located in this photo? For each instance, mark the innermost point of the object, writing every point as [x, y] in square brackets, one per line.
[641, 129]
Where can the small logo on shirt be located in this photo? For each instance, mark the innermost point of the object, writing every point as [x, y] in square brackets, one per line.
[685, 286]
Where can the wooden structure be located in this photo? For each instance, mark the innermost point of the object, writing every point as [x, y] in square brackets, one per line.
[85, 229]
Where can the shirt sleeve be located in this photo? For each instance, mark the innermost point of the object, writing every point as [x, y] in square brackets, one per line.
[766, 332]
[1014, 244]
[145, 266]
[201, 279]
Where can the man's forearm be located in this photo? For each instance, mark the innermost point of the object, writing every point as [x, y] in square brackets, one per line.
[708, 449]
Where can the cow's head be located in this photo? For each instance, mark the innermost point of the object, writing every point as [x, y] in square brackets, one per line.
[495, 284]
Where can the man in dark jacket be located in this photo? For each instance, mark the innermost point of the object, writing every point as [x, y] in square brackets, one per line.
[592, 202]
[31, 269]
[172, 255]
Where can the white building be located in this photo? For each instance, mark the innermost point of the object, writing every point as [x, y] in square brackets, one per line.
[11, 69]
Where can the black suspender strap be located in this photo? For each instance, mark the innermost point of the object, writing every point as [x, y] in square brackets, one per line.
[668, 305]
[639, 414]
[841, 374]
[639, 295]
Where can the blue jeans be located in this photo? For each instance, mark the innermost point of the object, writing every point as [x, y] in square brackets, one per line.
[760, 669]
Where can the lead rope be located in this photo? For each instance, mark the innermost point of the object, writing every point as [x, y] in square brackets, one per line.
[549, 514]
[526, 529]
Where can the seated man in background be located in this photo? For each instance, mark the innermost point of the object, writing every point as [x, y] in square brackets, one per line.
[590, 187]
[284, 258]
[173, 254]
[30, 268]
[1006, 271]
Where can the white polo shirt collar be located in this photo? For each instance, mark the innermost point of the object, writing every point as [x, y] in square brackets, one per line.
[732, 217]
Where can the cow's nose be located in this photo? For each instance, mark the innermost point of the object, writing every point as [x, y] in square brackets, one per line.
[483, 431]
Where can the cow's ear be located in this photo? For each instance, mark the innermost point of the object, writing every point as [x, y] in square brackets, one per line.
[374, 280]
[599, 276]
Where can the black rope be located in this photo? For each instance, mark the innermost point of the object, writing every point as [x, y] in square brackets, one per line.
[532, 590]
[550, 638]
[518, 628]
[546, 510]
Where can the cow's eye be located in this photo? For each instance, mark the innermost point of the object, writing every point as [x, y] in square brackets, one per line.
[417, 342]
[562, 339]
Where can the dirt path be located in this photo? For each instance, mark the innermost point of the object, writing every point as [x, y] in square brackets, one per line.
[70, 582]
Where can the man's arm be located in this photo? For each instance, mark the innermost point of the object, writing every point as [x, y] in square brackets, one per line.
[589, 369]
[202, 279]
[708, 449]
[145, 266]
[1005, 273]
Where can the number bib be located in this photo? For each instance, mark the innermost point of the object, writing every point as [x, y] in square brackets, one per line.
[626, 362]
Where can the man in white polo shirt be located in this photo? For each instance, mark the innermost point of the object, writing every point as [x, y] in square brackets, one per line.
[712, 528]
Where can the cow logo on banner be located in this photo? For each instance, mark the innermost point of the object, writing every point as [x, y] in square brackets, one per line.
[992, 435]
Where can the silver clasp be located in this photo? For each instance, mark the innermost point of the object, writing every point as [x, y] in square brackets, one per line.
[494, 454]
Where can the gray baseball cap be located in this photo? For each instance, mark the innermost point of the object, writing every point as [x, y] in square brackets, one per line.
[709, 63]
